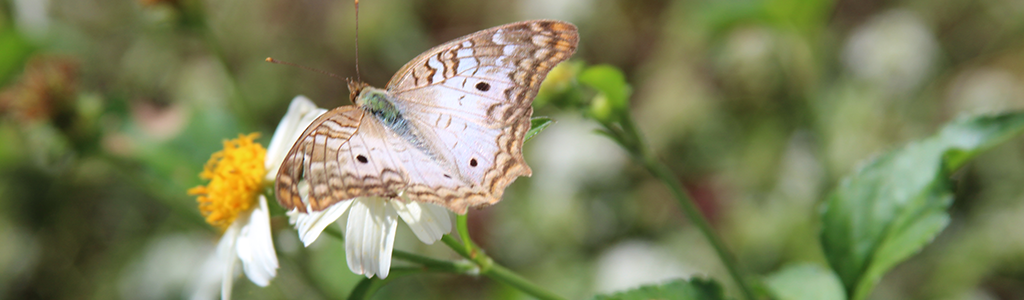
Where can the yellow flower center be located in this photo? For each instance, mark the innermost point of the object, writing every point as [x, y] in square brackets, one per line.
[236, 178]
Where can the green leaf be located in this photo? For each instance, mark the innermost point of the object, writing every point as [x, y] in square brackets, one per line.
[695, 288]
[15, 50]
[719, 17]
[610, 82]
[896, 204]
[560, 87]
[799, 14]
[806, 282]
[538, 124]
[605, 132]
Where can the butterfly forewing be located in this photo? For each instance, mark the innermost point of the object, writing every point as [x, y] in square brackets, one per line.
[475, 93]
[341, 155]
[520, 53]
[469, 101]
[345, 153]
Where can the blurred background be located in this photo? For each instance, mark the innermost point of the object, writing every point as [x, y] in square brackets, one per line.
[109, 108]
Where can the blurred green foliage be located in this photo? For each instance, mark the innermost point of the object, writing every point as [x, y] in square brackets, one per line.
[108, 110]
[894, 205]
[805, 281]
[693, 289]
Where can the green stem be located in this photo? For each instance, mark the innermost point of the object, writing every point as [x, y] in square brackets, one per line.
[643, 155]
[480, 263]
[693, 213]
[488, 268]
[427, 263]
[462, 226]
[369, 286]
[431, 264]
[456, 246]
[499, 273]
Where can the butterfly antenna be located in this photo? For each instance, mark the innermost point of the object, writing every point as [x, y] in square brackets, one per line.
[358, 78]
[271, 60]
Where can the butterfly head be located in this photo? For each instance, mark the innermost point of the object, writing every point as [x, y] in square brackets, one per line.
[355, 88]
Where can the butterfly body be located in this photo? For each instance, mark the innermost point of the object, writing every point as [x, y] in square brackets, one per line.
[378, 103]
[381, 106]
[447, 129]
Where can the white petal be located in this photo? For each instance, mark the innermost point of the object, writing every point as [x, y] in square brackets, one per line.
[226, 255]
[304, 192]
[370, 236]
[301, 112]
[428, 221]
[256, 247]
[311, 224]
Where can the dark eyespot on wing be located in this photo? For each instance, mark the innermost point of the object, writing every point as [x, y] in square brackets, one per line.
[483, 86]
[472, 162]
[362, 159]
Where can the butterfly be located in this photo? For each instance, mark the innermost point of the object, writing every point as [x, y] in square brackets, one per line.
[447, 129]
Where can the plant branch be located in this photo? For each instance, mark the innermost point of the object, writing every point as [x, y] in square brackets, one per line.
[488, 268]
[479, 263]
[426, 263]
[462, 226]
[633, 142]
[369, 286]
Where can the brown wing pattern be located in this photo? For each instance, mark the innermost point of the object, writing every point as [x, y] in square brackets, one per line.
[479, 87]
[540, 45]
[487, 79]
[340, 156]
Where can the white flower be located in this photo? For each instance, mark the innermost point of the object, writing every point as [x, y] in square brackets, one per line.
[248, 237]
[371, 223]
[370, 228]
[301, 112]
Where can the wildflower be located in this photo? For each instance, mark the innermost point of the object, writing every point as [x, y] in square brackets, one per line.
[371, 221]
[370, 228]
[235, 175]
[232, 202]
[301, 112]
